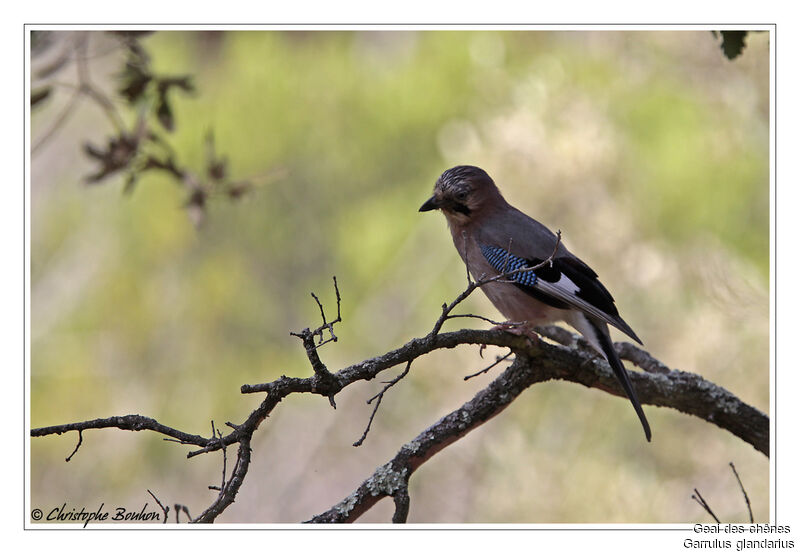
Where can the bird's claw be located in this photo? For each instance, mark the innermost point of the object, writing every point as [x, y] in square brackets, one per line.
[520, 329]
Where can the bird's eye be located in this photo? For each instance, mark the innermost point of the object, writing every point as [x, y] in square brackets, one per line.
[461, 195]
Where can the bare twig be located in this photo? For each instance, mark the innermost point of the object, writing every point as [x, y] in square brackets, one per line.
[697, 497]
[744, 492]
[466, 257]
[508, 254]
[325, 325]
[218, 434]
[379, 397]
[487, 320]
[486, 369]
[224, 463]
[77, 446]
[164, 509]
[324, 378]
[555, 248]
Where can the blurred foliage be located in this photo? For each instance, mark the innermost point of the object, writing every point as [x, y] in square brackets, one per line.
[648, 150]
[136, 147]
[733, 42]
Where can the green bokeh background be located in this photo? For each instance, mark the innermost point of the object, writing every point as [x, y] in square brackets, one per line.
[648, 150]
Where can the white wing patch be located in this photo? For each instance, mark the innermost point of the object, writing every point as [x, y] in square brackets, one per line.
[566, 284]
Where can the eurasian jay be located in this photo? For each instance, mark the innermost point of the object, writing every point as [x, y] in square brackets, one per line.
[494, 238]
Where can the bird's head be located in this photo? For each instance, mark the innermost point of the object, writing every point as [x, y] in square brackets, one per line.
[463, 193]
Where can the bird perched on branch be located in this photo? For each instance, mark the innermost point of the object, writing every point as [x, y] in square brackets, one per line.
[495, 238]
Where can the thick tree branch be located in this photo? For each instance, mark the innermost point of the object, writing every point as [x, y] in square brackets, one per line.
[679, 390]
[391, 479]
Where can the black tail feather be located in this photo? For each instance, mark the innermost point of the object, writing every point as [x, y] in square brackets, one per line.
[621, 373]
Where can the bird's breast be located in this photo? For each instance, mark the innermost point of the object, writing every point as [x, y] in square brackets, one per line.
[516, 305]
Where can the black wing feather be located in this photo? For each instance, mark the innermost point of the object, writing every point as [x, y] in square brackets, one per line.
[589, 286]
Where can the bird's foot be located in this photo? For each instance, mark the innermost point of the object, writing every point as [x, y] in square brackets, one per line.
[522, 329]
[519, 328]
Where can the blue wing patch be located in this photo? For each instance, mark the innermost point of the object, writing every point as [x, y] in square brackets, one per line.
[502, 261]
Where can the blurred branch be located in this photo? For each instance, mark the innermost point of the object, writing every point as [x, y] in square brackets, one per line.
[534, 362]
[58, 122]
[85, 88]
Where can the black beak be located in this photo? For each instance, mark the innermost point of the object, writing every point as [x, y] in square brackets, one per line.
[429, 205]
